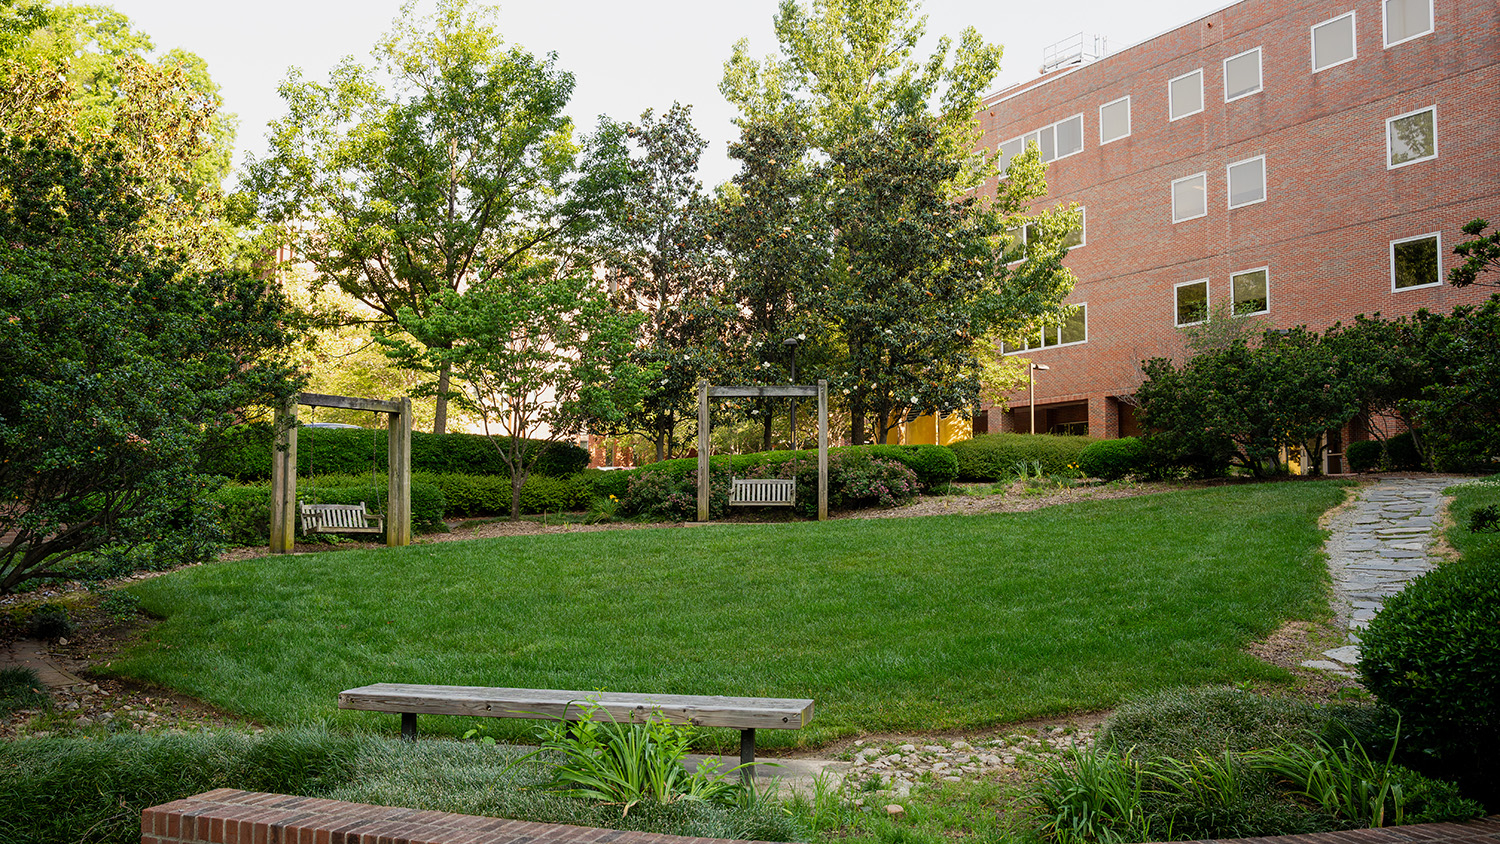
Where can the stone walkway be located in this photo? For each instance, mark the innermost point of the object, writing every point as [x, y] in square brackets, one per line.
[1375, 547]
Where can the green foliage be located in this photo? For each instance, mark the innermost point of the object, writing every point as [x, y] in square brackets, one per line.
[1112, 459]
[1094, 797]
[1433, 655]
[599, 483]
[626, 764]
[1485, 519]
[243, 453]
[1401, 451]
[1481, 254]
[245, 511]
[1365, 455]
[993, 457]
[1344, 780]
[78, 789]
[21, 688]
[1456, 414]
[50, 621]
[1244, 401]
[116, 365]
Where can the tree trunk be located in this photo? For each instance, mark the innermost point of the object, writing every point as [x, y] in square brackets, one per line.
[882, 428]
[661, 445]
[440, 414]
[517, 480]
[856, 426]
[765, 431]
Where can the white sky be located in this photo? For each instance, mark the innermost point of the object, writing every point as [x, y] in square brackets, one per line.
[625, 57]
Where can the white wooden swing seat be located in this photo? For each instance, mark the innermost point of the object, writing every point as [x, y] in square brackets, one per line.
[339, 518]
[762, 492]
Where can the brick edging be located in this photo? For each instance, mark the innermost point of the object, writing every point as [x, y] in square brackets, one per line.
[231, 816]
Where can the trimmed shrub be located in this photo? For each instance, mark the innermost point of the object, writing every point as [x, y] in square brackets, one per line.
[669, 489]
[934, 465]
[1403, 453]
[993, 457]
[245, 514]
[1433, 655]
[1112, 459]
[543, 494]
[243, 453]
[597, 483]
[1364, 456]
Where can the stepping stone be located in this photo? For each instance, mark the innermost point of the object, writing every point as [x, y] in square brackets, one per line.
[1325, 665]
[1348, 654]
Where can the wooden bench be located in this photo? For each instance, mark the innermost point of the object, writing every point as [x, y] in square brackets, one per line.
[746, 714]
[339, 518]
[762, 492]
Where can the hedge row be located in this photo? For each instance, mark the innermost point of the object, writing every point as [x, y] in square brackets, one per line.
[243, 453]
[994, 457]
[246, 510]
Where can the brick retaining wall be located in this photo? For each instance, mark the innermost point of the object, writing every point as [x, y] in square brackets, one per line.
[230, 816]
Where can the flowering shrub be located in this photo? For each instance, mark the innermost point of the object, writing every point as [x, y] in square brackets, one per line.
[885, 483]
[669, 489]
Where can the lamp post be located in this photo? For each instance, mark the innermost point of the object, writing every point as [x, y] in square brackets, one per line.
[791, 344]
[1031, 388]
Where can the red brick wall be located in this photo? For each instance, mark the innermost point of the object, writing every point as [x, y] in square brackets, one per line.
[228, 816]
[1332, 205]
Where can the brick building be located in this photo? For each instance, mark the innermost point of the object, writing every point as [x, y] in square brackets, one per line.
[1299, 160]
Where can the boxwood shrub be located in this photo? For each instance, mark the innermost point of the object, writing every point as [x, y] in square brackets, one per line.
[245, 511]
[1433, 655]
[1112, 459]
[1364, 456]
[993, 457]
[243, 453]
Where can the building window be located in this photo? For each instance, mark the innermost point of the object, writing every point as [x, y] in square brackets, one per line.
[1406, 19]
[1060, 140]
[1190, 198]
[1411, 137]
[1247, 182]
[1114, 120]
[1185, 95]
[1192, 302]
[1073, 329]
[1251, 291]
[1242, 75]
[1414, 261]
[1075, 237]
[1333, 42]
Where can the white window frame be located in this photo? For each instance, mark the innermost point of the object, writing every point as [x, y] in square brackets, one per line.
[1429, 236]
[1229, 182]
[1233, 301]
[1388, 150]
[1207, 301]
[1126, 100]
[1260, 75]
[1175, 183]
[1312, 36]
[1083, 236]
[1040, 339]
[1202, 100]
[1385, 28]
[1026, 144]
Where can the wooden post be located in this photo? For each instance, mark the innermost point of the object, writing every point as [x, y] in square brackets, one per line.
[398, 476]
[703, 451]
[284, 480]
[822, 450]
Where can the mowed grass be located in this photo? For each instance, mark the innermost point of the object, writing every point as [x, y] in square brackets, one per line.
[890, 625]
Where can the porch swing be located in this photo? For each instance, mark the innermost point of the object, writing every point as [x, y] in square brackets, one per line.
[339, 518]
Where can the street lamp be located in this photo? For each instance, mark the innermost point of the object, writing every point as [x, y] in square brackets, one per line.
[1031, 388]
[791, 344]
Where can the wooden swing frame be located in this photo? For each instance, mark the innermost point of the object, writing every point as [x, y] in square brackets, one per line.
[398, 471]
[793, 391]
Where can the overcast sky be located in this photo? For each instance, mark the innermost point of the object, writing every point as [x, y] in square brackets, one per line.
[625, 57]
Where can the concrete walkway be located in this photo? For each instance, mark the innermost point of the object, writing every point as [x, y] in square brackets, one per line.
[1375, 548]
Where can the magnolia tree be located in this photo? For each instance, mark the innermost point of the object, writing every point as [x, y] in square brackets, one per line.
[535, 355]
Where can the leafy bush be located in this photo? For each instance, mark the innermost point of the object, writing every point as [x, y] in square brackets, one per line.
[1403, 453]
[1433, 655]
[993, 457]
[1112, 459]
[1365, 455]
[1485, 519]
[543, 494]
[245, 514]
[243, 453]
[669, 489]
[597, 483]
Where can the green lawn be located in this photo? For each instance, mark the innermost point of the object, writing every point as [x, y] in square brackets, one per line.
[892, 624]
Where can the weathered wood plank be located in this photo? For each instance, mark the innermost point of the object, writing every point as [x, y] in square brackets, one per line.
[767, 492]
[767, 392]
[349, 402]
[482, 701]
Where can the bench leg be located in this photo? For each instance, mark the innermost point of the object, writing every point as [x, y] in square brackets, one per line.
[409, 726]
[747, 756]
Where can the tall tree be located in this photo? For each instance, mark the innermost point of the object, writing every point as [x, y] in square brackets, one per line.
[1481, 254]
[459, 173]
[654, 243]
[118, 364]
